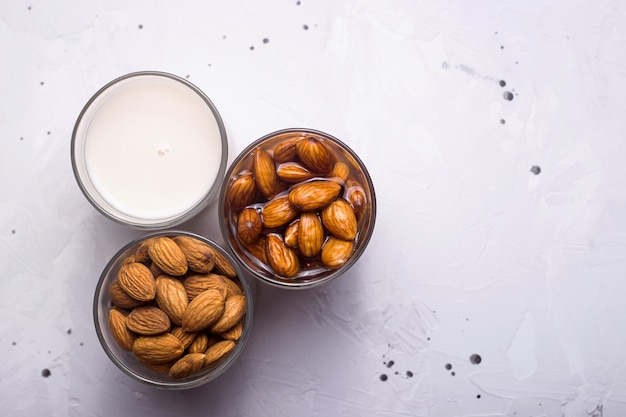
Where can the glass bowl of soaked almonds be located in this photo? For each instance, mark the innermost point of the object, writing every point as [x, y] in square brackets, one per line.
[297, 208]
[173, 309]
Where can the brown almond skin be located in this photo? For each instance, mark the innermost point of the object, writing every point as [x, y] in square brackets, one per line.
[218, 351]
[203, 311]
[249, 225]
[141, 254]
[168, 256]
[187, 365]
[286, 150]
[186, 338]
[314, 195]
[315, 155]
[293, 172]
[148, 321]
[264, 172]
[234, 309]
[310, 234]
[137, 280]
[158, 349]
[340, 170]
[278, 212]
[234, 333]
[120, 299]
[232, 288]
[336, 252]
[355, 195]
[200, 343]
[117, 323]
[283, 260]
[171, 297]
[339, 219]
[242, 191]
[291, 234]
[200, 256]
[223, 266]
[196, 284]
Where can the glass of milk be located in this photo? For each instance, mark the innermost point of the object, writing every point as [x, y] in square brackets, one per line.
[149, 150]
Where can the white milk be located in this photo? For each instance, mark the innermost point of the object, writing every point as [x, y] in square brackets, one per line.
[153, 148]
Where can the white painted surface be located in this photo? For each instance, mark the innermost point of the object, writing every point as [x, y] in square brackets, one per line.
[472, 252]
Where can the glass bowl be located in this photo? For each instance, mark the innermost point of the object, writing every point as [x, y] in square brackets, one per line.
[156, 370]
[297, 208]
[149, 150]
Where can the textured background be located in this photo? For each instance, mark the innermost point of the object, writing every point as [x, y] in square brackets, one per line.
[493, 130]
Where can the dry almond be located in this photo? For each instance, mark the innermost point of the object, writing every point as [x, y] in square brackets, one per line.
[286, 150]
[218, 351]
[340, 220]
[314, 195]
[129, 259]
[187, 365]
[234, 333]
[162, 368]
[141, 254]
[310, 234]
[200, 343]
[293, 172]
[196, 284]
[156, 271]
[283, 260]
[315, 155]
[234, 309]
[340, 170]
[200, 256]
[249, 225]
[120, 299]
[203, 311]
[117, 323]
[168, 256]
[242, 191]
[186, 338]
[148, 321]
[232, 287]
[278, 212]
[355, 194]
[291, 234]
[336, 252]
[171, 297]
[264, 172]
[223, 265]
[158, 349]
[137, 281]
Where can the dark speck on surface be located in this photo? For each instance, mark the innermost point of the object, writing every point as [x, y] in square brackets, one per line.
[266, 40]
[507, 95]
[69, 331]
[501, 46]
[30, 7]
[448, 366]
[409, 374]
[475, 359]
[252, 48]
[22, 138]
[383, 377]
[140, 26]
[535, 169]
[81, 344]
[46, 373]
[390, 364]
[298, 3]
[305, 27]
[13, 231]
[502, 83]
[502, 121]
[41, 83]
[453, 373]
[478, 396]
[14, 343]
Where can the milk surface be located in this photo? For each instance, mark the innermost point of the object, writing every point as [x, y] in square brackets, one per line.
[153, 147]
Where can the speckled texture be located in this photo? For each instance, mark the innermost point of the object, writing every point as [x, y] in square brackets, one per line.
[493, 131]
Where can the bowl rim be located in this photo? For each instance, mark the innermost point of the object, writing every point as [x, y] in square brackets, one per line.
[248, 291]
[365, 238]
[133, 221]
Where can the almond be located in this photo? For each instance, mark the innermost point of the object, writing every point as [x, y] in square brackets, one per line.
[203, 311]
[148, 321]
[315, 155]
[120, 299]
[234, 333]
[291, 234]
[314, 195]
[186, 338]
[355, 194]
[282, 259]
[336, 252]
[196, 284]
[310, 234]
[218, 351]
[200, 343]
[156, 271]
[292, 172]
[187, 365]
[158, 349]
[232, 288]
[168, 256]
[264, 172]
[137, 281]
[117, 323]
[234, 309]
[286, 150]
[171, 297]
[242, 191]
[163, 368]
[200, 256]
[278, 212]
[249, 225]
[223, 265]
[339, 219]
[340, 170]
[141, 254]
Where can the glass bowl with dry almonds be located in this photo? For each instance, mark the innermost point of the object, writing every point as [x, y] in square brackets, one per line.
[297, 208]
[173, 309]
